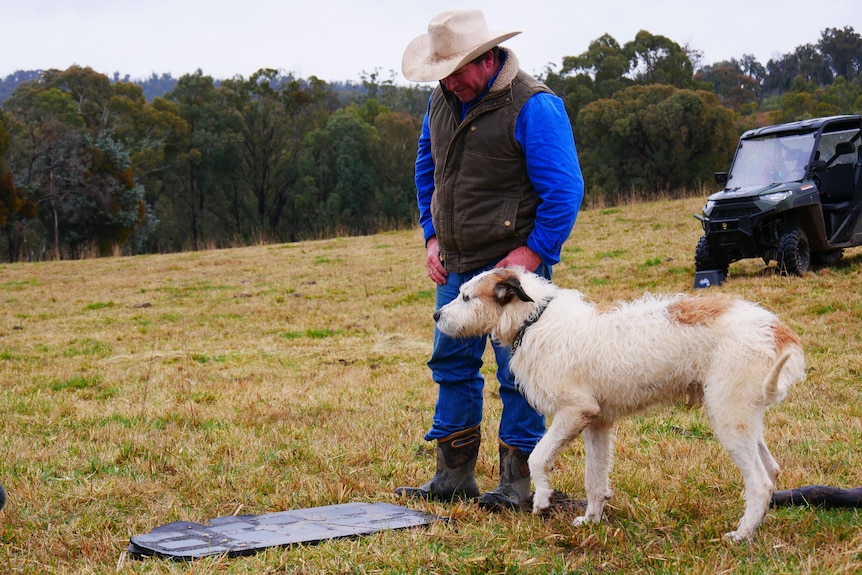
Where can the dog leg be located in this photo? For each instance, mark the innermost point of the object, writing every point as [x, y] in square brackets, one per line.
[742, 439]
[772, 467]
[598, 445]
[758, 492]
[566, 426]
[759, 475]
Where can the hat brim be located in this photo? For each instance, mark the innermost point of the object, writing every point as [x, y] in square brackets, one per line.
[418, 64]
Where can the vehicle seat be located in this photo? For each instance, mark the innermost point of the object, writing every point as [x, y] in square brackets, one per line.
[837, 183]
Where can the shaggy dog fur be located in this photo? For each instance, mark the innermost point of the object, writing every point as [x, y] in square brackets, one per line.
[588, 367]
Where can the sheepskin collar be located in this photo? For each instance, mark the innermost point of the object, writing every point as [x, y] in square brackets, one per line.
[507, 72]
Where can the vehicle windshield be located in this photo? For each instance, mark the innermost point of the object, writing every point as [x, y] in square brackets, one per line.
[771, 159]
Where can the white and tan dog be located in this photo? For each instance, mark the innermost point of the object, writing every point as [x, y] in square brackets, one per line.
[588, 367]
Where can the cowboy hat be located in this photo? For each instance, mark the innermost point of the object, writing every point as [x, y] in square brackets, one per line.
[454, 38]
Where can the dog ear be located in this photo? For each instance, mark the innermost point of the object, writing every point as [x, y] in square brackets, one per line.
[508, 288]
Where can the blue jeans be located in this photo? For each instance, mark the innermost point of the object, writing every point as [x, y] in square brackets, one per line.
[455, 365]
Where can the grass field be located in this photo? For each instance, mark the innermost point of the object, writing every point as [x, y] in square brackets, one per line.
[144, 390]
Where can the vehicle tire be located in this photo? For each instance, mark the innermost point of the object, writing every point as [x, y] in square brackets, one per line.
[704, 260]
[827, 258]
[794, 256]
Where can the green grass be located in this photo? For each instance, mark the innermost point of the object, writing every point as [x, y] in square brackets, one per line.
[140, 391]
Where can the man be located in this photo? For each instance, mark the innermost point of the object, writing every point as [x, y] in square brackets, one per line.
[498, 184]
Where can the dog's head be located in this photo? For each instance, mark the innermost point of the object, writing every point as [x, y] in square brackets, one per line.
[495, 302]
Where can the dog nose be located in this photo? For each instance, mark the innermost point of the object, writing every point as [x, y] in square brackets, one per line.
[436, 316]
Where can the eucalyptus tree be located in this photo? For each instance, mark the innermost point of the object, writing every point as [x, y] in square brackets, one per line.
[274, 113]
[806, 62]
[607, 67]
[15, 208]
[657, 59]
[842, 49]
[259, 114]
[205, 162]
[735, 88]
[90, 91]
[599, 72]
[308, 105]
[339, 177]
[48, 138]
[393, 154]
[651, 140]
[69, 163]
[104, 205]
[149, 131]
[807, 100]
[411, 100]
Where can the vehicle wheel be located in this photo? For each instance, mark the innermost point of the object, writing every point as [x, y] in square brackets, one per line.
[704, 260]
[794, 256]
[827, 258]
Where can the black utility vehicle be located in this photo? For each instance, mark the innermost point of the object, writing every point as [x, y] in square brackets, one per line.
[793, 196]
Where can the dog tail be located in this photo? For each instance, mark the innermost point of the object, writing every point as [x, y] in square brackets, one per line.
[774, 385]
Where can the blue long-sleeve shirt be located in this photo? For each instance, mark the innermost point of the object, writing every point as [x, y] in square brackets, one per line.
[544, 133]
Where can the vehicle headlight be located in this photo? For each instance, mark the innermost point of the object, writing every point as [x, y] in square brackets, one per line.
[777, 196]
[708, 207]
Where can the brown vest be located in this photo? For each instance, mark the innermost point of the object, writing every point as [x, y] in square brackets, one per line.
[483, 205]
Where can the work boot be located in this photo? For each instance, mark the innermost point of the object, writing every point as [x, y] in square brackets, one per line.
[514, 489]
[456, 464]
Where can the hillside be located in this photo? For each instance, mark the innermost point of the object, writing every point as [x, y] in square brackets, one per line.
[144, 390]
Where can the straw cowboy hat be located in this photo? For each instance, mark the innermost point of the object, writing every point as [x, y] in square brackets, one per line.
[454, 38]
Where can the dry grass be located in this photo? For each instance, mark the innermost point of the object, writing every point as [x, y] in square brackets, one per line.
[140, 391]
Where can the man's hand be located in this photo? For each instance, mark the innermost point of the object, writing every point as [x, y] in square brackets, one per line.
[522, 256]
[436, 271]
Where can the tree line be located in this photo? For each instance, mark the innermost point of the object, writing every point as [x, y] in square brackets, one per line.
[91, 165]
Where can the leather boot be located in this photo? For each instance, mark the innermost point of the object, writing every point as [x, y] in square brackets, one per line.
[456, 465]
[514, 489]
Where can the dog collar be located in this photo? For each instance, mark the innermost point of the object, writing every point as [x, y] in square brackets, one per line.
[531, 319]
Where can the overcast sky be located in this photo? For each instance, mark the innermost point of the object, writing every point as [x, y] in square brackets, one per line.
[338, 40]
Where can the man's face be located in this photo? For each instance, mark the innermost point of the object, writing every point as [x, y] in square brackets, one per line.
[470, 80]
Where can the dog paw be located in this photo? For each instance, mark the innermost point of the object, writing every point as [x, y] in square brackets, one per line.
[541, 501]
[739, 535]
[582, 520]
